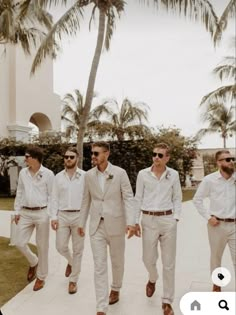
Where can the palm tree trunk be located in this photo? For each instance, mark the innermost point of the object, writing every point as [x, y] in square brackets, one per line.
[224, 142]
[91, 84]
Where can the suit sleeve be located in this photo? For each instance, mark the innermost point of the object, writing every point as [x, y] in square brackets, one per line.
[128, 198]
[85, 205]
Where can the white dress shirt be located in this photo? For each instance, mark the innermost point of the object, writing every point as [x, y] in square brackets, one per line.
[103, 176]
[33, 191]
[221, 193]
[153, 194]
[67, 193]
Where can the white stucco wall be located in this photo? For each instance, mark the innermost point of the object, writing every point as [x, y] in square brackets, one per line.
[22, 95]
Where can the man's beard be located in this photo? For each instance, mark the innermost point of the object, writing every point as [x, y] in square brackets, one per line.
[228, 170]
[71, 165]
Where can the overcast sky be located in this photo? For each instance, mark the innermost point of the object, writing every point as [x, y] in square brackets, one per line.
[155, 57]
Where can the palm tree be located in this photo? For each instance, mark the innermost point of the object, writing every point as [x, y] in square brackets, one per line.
[122, 122]
[23, 22]
[220, 119]
[108, 10]
[72, 114]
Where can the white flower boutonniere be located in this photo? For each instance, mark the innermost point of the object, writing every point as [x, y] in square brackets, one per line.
[109, 176]
[39, 175]
[168, 175]
[77, 175]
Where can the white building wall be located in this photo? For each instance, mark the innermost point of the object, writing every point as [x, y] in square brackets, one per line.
[22, 95]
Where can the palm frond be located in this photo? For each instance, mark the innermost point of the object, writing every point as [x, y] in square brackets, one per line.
[229, 12]
[68, 24]
[223, 93]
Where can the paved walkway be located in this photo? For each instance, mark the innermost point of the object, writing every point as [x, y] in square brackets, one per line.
[192, 274]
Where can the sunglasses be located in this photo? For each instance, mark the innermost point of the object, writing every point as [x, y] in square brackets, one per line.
[228, 159]
[160, 155]
[71, 157]
[27, 156]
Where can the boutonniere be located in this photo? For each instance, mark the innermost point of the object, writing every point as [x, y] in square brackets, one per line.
[39, 175]
[110, 176]
[77, 175]
[168, 174]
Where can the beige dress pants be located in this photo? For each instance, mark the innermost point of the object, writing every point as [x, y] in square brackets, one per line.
[160, 229]
[30, 219]
[68, 227]
[219, 236]
[99, 242]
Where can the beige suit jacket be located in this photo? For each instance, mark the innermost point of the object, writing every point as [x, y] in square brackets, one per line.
[116, 203]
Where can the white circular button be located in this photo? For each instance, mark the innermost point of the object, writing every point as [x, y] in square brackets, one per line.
[221, 276]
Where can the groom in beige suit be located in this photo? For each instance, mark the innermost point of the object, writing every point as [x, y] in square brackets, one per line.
[108, 197]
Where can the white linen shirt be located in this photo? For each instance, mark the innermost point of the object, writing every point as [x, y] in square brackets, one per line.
[33, 191]
[221, 193]
[153, 194]
[67, 193]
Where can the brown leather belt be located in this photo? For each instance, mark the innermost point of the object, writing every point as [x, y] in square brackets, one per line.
[34, 208]
[158, 213]
[70, 210]
[226, 220]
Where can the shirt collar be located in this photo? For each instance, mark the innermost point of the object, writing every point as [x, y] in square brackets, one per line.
[106, 171]
[77, 173]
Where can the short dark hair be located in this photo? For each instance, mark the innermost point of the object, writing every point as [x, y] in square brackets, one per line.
[35, 152]
[72, 149]
[164, 146]
[218, 153]
[102, 144]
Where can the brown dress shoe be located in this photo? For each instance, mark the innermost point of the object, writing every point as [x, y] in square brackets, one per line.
[32, 273]
[68, 270]
[216, 288]
[167, 309]
[101, 313]
[114, 297]
[72, 287]
[150, 288]
[39, 284]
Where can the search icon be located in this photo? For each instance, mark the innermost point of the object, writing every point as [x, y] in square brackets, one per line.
[223, 304]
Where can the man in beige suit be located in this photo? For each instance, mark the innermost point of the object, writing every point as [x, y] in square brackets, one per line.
[108, 197]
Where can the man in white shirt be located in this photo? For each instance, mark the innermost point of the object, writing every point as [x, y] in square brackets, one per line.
[158, 196]
[31, 202]
[219, 187]
[108, 197]
[65, 207]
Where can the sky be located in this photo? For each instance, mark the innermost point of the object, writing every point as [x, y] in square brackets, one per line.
[155, 57]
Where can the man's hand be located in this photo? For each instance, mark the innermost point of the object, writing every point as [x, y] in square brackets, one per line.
[213, 221]
[54, 224]
[81, 232]
[130, 231]
[137, 230]
[17, 218]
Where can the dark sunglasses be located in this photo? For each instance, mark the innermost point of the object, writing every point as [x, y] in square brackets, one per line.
[160, 155]
[228, 159]
[66, 157]
[95, 153]
[27, 156]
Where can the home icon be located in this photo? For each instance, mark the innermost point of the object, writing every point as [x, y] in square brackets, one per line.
[195, 306]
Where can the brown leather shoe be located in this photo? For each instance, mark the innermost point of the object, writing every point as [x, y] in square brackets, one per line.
[150, 288]
[32, 273]
[68, 270]
[101, 313]
[216, 288]
[72, 287]
[114, 297]
[39, 284]
[167, 309]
